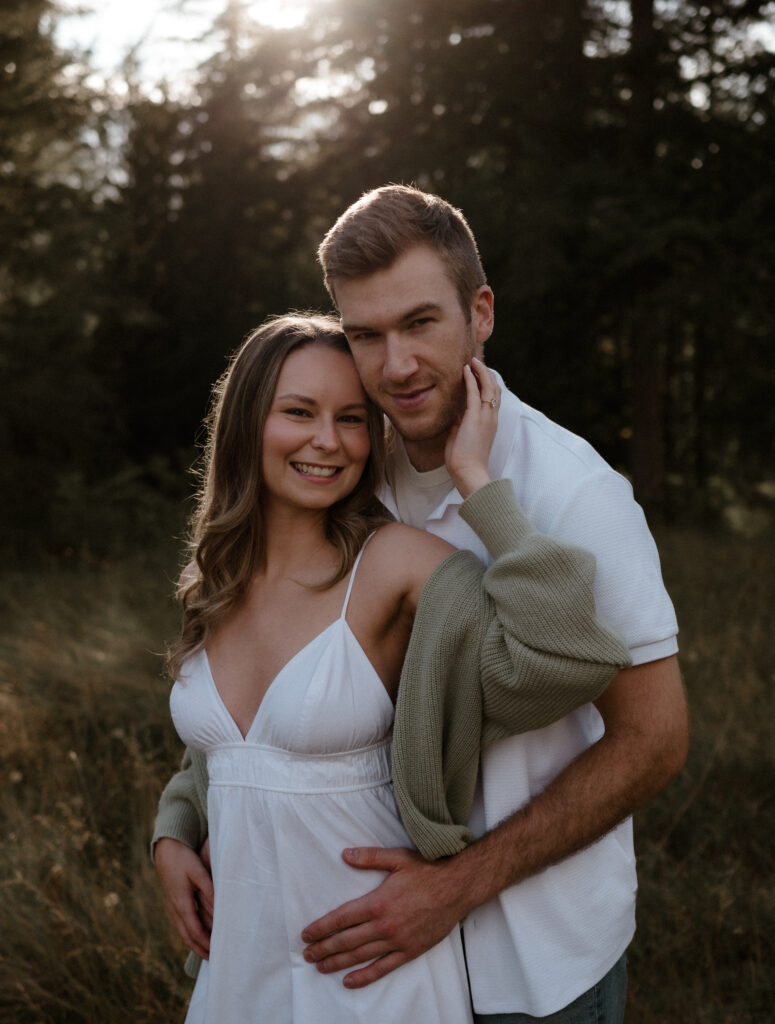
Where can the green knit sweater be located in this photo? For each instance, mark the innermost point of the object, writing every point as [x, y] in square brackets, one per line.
[494, 651]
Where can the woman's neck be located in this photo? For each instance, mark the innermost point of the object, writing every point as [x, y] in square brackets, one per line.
[297, 547]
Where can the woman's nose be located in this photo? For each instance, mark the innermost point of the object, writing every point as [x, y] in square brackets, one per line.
[326, 437]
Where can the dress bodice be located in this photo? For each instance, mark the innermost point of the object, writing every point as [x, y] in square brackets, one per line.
[327, 698]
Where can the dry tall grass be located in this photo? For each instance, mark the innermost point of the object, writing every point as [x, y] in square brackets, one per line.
[705, 948]
[86, 743]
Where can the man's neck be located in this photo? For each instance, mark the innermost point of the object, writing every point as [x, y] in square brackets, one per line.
[425, 455]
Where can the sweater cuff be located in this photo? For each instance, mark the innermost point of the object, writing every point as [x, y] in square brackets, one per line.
[179, 822]
[496, 516]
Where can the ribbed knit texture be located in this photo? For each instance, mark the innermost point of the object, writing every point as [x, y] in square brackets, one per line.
[493, 653]
[182, 811]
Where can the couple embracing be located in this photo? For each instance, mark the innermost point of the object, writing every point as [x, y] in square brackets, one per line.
[424, 678]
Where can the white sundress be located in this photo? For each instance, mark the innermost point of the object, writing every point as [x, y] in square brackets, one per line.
[311, 777]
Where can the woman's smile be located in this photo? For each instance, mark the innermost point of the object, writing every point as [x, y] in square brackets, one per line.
[320, 472]
[316, 437]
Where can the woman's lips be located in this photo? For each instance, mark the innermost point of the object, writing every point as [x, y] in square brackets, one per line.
[317, 472]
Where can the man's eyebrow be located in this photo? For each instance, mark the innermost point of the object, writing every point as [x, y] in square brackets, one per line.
[410, 314]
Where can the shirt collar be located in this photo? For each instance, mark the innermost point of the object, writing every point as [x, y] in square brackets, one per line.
[505, 435]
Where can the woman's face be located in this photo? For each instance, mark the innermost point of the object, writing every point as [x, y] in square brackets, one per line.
[316, 439]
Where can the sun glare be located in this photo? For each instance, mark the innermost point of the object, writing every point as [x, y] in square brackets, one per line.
[289, 14]
[165, 38]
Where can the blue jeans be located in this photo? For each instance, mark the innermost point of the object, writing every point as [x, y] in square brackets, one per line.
[602, 1004]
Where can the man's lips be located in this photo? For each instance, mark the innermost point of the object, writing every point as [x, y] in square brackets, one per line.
[408, 400]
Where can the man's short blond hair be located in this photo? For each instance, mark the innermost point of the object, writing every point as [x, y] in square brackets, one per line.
[384, 223]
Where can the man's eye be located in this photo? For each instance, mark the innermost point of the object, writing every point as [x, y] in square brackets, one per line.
[421, 321]
[362, 336]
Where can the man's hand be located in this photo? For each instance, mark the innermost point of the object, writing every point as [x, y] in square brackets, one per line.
[188, 891]
[644, 746]
[415, 907]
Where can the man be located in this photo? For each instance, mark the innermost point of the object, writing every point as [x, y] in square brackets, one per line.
[548, 890]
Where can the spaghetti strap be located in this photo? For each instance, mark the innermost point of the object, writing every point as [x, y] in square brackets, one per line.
[352, 574]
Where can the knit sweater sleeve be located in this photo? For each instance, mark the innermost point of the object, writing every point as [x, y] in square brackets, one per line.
[182, 812]
[546, 651]
[493, 652]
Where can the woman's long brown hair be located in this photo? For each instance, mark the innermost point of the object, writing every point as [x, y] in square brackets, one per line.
[227, 543]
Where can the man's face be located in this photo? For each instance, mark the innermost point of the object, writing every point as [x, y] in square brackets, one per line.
[410, 340]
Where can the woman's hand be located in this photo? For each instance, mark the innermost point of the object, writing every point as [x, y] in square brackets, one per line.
[467, 451]
[188, 892]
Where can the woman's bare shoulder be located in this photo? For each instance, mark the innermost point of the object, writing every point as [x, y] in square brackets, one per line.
[405, 551]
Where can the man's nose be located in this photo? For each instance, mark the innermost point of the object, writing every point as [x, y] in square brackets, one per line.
[400, 362]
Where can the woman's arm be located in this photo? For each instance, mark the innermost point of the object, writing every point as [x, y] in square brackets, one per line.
[182, 812]
[179, 832]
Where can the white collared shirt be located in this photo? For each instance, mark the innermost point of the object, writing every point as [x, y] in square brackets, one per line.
[541, 943]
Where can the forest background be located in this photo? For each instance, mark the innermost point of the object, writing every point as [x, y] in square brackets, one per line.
[615, 161]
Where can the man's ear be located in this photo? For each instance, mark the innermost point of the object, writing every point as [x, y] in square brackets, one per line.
[483, 313]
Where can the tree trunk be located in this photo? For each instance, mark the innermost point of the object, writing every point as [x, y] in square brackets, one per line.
[646, 345]
[647, 449]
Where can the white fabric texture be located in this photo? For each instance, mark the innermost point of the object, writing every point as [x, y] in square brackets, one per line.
[544, 942]
[311, 777]
[416, 494]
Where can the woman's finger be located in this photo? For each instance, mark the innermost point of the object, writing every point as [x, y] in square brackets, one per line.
[487, 384]
[472, 387]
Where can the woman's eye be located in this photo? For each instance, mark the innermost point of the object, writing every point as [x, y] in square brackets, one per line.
[298, 412]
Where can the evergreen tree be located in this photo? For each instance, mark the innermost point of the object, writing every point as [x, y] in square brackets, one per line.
[54, 423]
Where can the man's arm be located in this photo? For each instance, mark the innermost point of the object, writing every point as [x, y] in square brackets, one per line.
[643, 748]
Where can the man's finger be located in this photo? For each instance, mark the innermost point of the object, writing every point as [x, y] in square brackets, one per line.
[348, 941]
[347, 916]
[361, 955]
[375, 971]
[376, 858]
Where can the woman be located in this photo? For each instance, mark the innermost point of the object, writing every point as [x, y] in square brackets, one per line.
[298, 610]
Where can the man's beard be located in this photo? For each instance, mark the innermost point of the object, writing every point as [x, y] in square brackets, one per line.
[453, 407]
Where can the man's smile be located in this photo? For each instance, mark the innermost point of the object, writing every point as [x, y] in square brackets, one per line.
[410, 399]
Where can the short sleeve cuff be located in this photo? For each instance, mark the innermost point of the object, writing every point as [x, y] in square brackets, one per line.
[654, 652]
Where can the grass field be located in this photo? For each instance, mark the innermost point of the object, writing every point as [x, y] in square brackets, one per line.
[86, 744]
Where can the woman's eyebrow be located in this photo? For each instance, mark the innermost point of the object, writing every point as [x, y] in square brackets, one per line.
[293, 397]
[296, 398]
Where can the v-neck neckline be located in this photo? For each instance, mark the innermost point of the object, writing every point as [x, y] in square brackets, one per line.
[274, 679]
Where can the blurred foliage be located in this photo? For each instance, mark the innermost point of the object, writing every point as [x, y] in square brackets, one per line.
[610, 158]
[56, 411]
